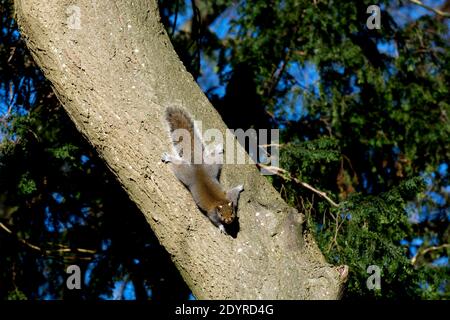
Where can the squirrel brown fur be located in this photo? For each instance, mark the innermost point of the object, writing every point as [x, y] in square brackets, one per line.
[202, 179]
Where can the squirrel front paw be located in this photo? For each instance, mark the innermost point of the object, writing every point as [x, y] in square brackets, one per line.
[166, 157]
[222, 229]
[218, 149]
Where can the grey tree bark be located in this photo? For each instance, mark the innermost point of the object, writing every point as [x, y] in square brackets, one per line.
[114, 69]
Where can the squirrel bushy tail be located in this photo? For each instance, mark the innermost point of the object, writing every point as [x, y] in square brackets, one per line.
[202, 179]
[182, 127]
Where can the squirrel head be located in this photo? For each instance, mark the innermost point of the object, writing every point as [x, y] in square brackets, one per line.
[225, 211]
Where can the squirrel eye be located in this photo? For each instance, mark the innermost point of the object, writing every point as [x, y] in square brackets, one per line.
[220, 206]
[229, 203]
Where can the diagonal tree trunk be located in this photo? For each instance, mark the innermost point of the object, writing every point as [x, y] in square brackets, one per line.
[114, 69]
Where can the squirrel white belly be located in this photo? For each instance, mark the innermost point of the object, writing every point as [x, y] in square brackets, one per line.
[201, 179]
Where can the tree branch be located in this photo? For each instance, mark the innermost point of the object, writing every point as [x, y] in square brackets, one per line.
[283, 173]
[437, 11]
[426, 250]
[63, 249]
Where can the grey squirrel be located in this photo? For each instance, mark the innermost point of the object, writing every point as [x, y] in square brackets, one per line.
[201, 179]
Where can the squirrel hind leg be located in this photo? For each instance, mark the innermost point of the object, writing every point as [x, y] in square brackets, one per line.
[184, 173]
[180, 167]
[217, 150]
[175, 159]
[213, 160]
[213, 170]
[233, 194]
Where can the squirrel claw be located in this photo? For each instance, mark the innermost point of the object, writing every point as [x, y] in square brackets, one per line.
[165, 157]
[219, 148]
[222, 229]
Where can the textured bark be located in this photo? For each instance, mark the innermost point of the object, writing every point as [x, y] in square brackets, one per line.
[115, 75]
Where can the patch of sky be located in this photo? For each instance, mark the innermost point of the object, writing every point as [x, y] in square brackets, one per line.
[209, 80]
[8, 100]
[338, 68]
[105, 244]
[44, 289]
[306, 76]
[129, 292]
[223, 27]
[3, 106]
[306, 83]
[14, 35]
[428, 178]
[122, 291]
[388, 48]
[412, 251]
[417, 241]
[440, 262]
[181, 17]
[346, 216]
[84, 159]
[43, 292]
[411, 12]
[292, 106]
[389, 72]
[355, 88]
[443, 286]
[49, 222]
[396, 150]
[149, 291]
[75, 219]
[404, 242]
[59, 198]
[434, 241]
[88, 273]
[423, 213]
[85, 211]
[437, 214]
[443, 169]
[424, 285]
[191, 297]
[413, 213]
[364, 180]
[437, 198]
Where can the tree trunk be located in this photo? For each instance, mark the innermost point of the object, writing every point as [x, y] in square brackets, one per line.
[114, 69]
